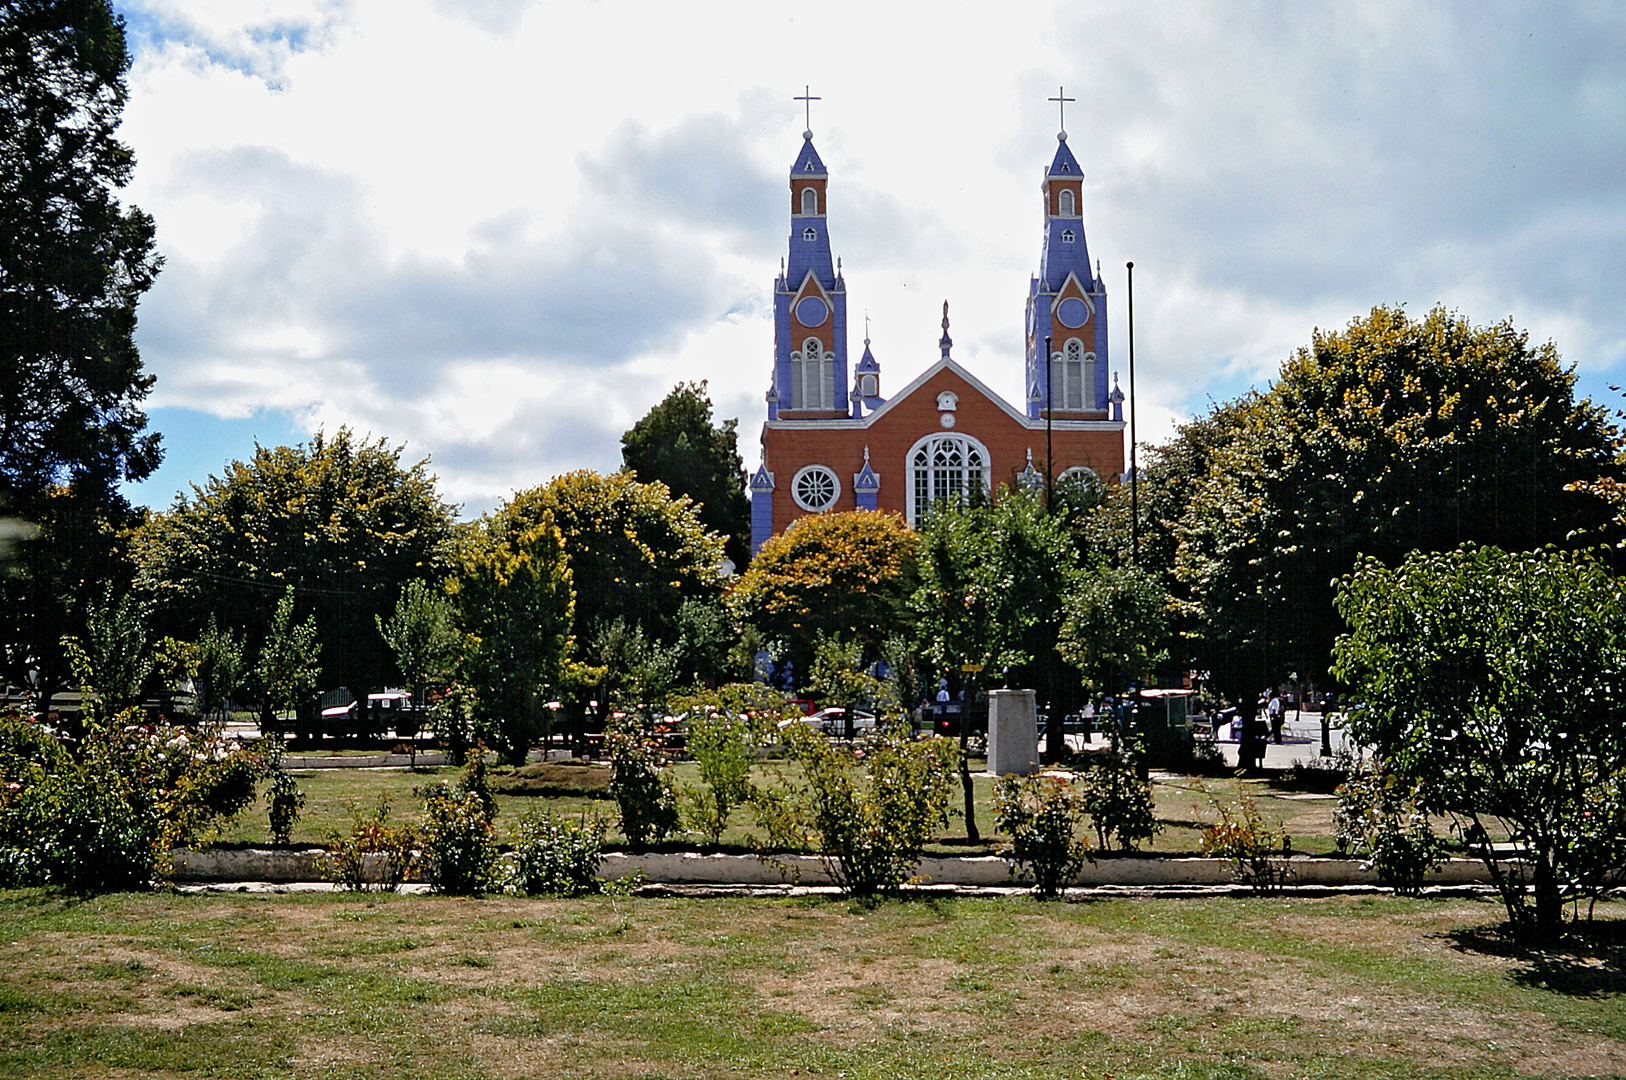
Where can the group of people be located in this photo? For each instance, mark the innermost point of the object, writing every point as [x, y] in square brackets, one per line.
[1254, 730]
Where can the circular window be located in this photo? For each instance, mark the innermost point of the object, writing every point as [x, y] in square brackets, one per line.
[811, 311]
[815, 488]
[1073, 312]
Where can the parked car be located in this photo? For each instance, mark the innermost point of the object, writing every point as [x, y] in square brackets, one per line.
[833, 721]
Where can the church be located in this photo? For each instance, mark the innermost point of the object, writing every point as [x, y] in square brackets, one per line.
[834, 440]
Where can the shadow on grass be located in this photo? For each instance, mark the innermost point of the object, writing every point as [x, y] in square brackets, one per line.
[1589, 961]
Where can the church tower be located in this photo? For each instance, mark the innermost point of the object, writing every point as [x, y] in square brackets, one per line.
[1067, 303]
[809, 306]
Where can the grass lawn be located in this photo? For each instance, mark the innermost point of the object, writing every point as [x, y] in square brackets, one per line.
[342, 986]
[1182, 805]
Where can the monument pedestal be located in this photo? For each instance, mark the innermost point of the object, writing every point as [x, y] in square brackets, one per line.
[1013, 732]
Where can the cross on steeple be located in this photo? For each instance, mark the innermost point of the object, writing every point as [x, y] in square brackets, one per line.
[1061, 99]
[807, 100]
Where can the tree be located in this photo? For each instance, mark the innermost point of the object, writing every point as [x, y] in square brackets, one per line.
[991, 580]
[675, 444]
[846, 576]
[1497, 682]
[73, 265]
[1116, 621]
[513, 591]
[220, 669]
[288, 670]
[340, 518]
[635, 552]
[423, 635]
[1389, 436]
[119, 648]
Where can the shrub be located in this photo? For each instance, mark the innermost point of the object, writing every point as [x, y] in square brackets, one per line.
[1377, 819]
[284, 800]
[873, 807]
[1041, 815]
[558, 856]
[394, 849]
[104, 813]
[721, 746]
[1118, 802]
[459, 842]
[644, 794]
[1256, 850]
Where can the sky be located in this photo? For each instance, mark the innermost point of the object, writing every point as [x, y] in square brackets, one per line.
[496, 232]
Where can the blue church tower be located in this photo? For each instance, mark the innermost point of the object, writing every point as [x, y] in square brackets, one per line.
[1067, 303]
[810, 306]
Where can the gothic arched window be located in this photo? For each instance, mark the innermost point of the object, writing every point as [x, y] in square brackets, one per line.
[813, 376]
[810, 202]
[1072, 373]
[810, 233]
[1064, 204]
[1067, 236]
[944, 468]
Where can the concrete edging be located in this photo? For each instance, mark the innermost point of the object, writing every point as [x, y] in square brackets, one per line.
[694, 868]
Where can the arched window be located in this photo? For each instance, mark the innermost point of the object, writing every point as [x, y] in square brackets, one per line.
[1067, 236]
[1071, 375]
[810, 233]
[810, 202]
[1064, 204]
[869, 385]
[944, 468]
[813, 376]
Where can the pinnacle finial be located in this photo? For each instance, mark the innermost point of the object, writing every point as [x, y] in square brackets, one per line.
[945, 342]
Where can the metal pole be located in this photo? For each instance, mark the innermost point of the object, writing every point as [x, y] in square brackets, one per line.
[1049, 454]
[1134, 473]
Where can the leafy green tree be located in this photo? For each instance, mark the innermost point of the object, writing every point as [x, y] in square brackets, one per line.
[845, 576]
[635, 552]
[289, 667]
[73, 265]
[514, 597]
[424, 636]
[340, 518]
[220, 669]
[1392, 435]
[991, 581]
[1115, 627]
[635, 670]
[676, 444]
[1496, 683]
[119, 645]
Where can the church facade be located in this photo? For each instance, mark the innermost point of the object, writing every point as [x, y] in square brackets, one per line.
[834, 441]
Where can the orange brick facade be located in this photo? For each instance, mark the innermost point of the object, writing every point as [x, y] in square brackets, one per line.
[889, 435]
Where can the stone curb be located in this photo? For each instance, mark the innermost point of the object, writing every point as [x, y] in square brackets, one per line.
[226, 865]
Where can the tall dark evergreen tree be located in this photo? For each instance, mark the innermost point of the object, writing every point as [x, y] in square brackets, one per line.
[73, 264]
[676, 444]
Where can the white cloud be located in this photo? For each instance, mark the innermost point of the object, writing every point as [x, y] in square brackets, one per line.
[502, 230]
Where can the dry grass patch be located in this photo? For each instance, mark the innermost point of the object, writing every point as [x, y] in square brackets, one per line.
[332, 986]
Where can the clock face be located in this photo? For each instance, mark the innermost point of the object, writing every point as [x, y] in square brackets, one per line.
[1073, 313]
[811, 311]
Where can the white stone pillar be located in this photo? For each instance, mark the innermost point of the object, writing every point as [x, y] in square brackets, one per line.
[1013, 732]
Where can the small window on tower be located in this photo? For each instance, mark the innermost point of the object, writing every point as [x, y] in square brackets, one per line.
[1064, 204]
[810, 201]
[869, 385]
[1067, 236]
[810, 233]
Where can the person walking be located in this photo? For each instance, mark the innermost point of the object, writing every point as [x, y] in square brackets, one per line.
[1278, 716]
